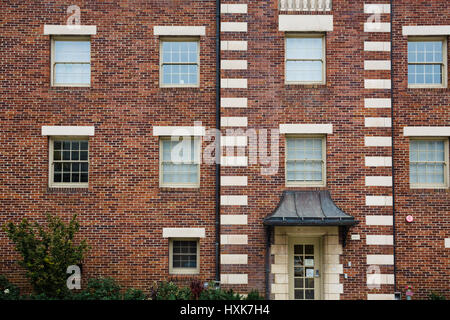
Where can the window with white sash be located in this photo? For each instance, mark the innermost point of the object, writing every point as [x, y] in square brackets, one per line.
[71, 61]
[305, 161]
[180, 162]
[428, 163]
[305, 59]
[427, 62]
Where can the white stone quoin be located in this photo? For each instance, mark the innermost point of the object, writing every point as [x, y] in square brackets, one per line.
[233, 8]
[377, 65]
[234, 200]
[378, 200]
[377, 8]
[378, 161]
[382, 259]
[234, 219]
[233, 45]
[377, 103]
[233, 102]
[233, 239]
[233, 180]
[234, 121]
[377, 46]
[379, 220]
[377, 27]
[233, 26]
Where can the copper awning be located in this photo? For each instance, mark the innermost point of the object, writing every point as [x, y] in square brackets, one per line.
[308, 208]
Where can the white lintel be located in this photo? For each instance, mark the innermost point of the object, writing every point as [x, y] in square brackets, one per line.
[306, 128]
[181, 131]
[179, 30]
[68, 130]
[71, 29]
[301, 23]
[426, 131]
[426, 30]
[183, 232]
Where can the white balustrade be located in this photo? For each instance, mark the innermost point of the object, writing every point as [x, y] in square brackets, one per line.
[305, 5]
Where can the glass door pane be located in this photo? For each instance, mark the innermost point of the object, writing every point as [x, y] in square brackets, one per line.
[304, 266]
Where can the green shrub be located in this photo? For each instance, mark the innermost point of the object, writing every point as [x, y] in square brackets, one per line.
[436, 296]
[254, 295]
[170, 291]
[216, 293]
[101, 289]
[40, 296]
[46, 252]
[8, 291]
[134, 294]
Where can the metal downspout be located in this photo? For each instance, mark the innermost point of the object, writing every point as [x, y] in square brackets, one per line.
[217, 141]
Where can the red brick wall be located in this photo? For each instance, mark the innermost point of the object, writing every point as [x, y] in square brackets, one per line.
[124, 210]
[422, 260]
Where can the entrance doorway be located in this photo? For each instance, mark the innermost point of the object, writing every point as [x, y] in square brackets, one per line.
[304, 269]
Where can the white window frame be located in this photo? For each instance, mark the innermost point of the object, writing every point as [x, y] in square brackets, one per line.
[53, 63]
[173, 270]
[444, 62]
[178, 39]
[446, 164]
[52, 184]
[324, 50]
[195, 139]
[324, 162]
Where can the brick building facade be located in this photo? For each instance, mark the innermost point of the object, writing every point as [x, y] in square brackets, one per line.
[348, 81]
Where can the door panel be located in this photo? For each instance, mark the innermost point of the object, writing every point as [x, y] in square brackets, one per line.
[304, 273]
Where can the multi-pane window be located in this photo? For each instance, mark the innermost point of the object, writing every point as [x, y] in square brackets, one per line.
[184, 256]
[428, 161]
[426, 63]
[305, 161]
[180, 163]
[179, 63]
[69, 162]
[71, 61]
[305, 59]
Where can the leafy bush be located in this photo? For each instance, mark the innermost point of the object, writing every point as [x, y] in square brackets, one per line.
[216, 293]
[100, 289]
[8, 291]
[436, 296]
[196, 291]
[47, 252]
[254, 295]
[106, 289]
[170, 291]
[134, 294]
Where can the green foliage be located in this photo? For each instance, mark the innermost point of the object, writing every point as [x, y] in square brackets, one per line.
[100, 289]
[217, 293]
[254, 295]
[436, 296]
[134, 294]
[8, 291]
[170, 291]
[46, 252]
